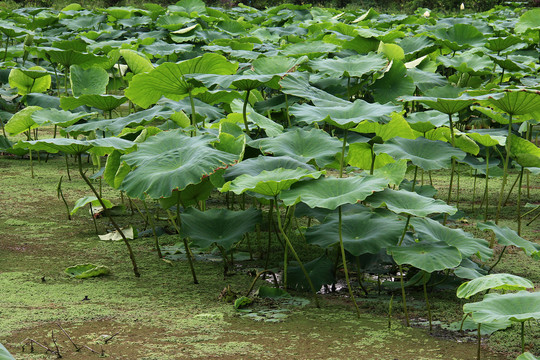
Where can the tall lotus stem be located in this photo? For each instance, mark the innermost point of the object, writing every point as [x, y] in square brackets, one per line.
[153, 225]
[293, 252]
[189, 255]
[486, 192]
[479, 343]
[114, 224]
[505, 168]
[452, 141]
[193, 114]
[244, 111]
[427, 302]
[344, 259]
[342, 158]
[519, 201]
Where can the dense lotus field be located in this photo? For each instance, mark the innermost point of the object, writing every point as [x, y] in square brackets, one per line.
[329, 123]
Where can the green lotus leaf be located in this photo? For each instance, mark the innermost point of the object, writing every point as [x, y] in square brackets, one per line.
[501, 43]
[168, 79]
[158, 48]
[330, 192]
[427, 120]
[311, 49]
[22, 121]
[91, 81]
[427, 154]
[269, 183]
[468, 324]
[406, 202]
[300, 86]
[431, 256]
[393, 84]
[360, 155]
[425, 80]
[526, 356]
[218, 226]
[526, 153]
[517, 101]
[11, 30]
[530, 20]
[508, 237]
[102, 102]
[67, 58]
[4, 354]
[255, 166]
[84, 22]
[303, 145]
[415, 47]
[240, 82]
[26, 84]
[191, 195]
[393, 172]
[460, 36]
[468, 63]
[343, 116]
[397, 126]
[514, 63]
[58, 117]
[320, 270]
[89, 200]
[520, 307]
[507, 282]
[392, 51]
[136, 62]
[84, 271]
[432, 231]
[363, 233]
[469, 269]
[100, 147]
[486, 139]
[351, 66]
[463, 142]
[231, 139]
[271, 128]
[171, 160]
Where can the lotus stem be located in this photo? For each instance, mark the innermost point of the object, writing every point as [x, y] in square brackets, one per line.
[522, 337]
[479, 343]
[519, 201]
[116, 227]
[401, 273]
[193, 114]
[258, 276]
[505, 168]
[244, 111]
[474, 191]
[486, 191]
[390, 312]
[452, 167]
[6, 49]
[293, 252]
[153, 225]
[344, 260]
[60, 194]
[342, 158]
[498, 260]
[189, 255]
[287, 110]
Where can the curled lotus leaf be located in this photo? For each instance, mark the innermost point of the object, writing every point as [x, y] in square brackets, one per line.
[520, 307]
[507, 282]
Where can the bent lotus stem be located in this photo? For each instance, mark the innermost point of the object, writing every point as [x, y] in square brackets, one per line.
[293, 252]
[189, 254]
[114, 224]
[257, 278]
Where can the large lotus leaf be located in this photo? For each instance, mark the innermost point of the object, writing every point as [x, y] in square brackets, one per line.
[91, 81]
[393, 172]
[446, 99]
[530, 20]
[393, 84]
[168, 79]
[500, 43]
[84, 22]
[362, 233]
[89, 200]
[300, 86]
[170, 160]
[431, 256]
[343, 116]
[271, 128]
[514, 63]
[360, 156]
[102, 102]
[84, 271]
[269, 183]
[403, 201]
[520, 307]
[460, 36]
[517, 101]
[158, 48]
[507, 282]
[330, 192]
[425, 80]
[312, 49]
[241, 82]
[427, 154]
[397, 126]
[137, 63]
[427, 120]
[58, 117]
[416, 46]
[27, 84]
[526, 356]
[100, 147]
[22, 121]
[351, 66]
[255, 166]
[71, 57]
[526, 153]
[508, 237]
[431, 230]
[392, 51]
[4, 354]
[468, 63]
[220, 226]
[321, 271]
[303, 145]
[11, 30]
[486, 139]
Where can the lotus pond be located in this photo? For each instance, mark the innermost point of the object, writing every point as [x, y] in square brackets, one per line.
[295, 182]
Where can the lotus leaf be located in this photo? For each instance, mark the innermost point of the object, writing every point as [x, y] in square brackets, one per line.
[509, 237]
[432, 256]
[84, 271]
[526, 153]
[393, 84]
[255, 166]
[30, 83]
[4, 354]
[102, 102]
[351, 66]
[91, 81]
[99, 146]
[507, 282]
[115, 235]
[520, 307]
[530, 20]
[402, 201]
[22, 121]
[89, 200]
[321, 272]
[220, 226]
[59, 117]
